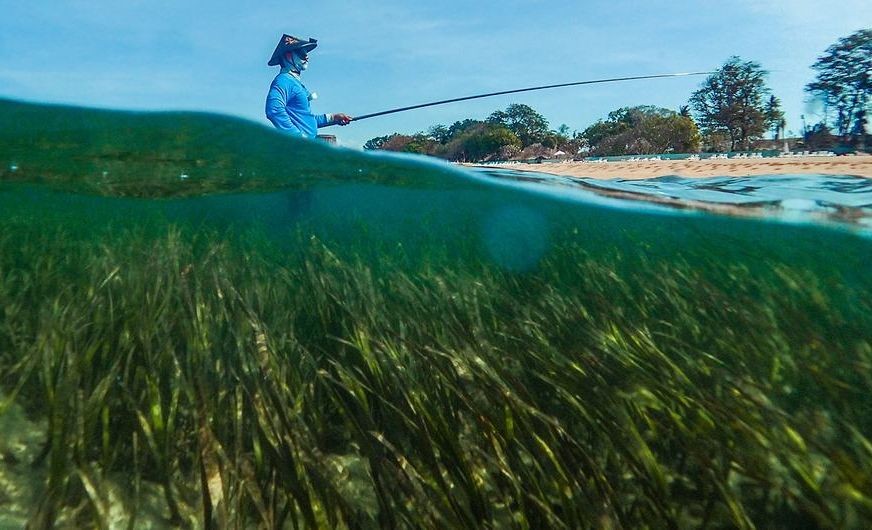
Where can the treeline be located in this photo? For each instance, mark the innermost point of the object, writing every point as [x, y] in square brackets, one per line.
[504, 134]
[732, 110]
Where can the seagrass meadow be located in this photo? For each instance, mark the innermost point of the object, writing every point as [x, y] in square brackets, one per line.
[370, 342]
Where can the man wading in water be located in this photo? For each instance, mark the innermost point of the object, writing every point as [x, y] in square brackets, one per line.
[287, 104]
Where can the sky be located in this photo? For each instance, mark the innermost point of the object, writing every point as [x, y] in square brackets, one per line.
[211, 56]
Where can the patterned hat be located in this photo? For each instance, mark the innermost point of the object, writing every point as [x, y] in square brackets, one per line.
[289, 43]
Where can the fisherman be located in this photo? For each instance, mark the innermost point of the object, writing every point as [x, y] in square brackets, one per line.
[287, 104]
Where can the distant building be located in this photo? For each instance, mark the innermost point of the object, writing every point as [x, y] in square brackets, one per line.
[329, 138]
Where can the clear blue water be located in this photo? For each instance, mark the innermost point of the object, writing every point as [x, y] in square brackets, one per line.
[836, 200]
[204, 324]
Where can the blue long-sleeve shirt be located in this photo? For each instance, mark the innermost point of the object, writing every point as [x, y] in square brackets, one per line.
[287, 107]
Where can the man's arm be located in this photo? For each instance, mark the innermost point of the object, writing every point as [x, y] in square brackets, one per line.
[325, 120]
[277, 113]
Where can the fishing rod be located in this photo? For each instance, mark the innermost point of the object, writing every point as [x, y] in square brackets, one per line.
[593, 82]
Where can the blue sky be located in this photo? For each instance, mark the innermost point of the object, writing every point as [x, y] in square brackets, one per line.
[212, 56]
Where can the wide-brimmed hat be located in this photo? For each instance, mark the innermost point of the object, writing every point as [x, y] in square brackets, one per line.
[289, 43]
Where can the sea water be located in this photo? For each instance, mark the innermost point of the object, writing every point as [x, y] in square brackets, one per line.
[386, 341]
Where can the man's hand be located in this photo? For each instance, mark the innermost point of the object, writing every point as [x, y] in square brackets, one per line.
[341, 119]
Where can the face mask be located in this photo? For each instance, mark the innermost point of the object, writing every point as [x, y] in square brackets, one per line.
[298, 63]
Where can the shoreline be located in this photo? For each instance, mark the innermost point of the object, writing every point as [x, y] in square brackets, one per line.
[854, 165]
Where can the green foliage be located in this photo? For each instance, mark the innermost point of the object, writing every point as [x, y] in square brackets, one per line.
[601, 131]
[468, 140]
[642, 130]
[482, 141]
[663, 134]
[418, 143]
[775, 116]
[530, 126]
[379, 141]
[473, 140]
[421, 144]
[459, 127]
[819, 137]
[559, 139]
[844, 82]
[733, 101]
[714, 142]
[439, 133]
[562, 139]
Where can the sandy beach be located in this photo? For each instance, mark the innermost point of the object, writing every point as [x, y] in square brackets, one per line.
[857, 165]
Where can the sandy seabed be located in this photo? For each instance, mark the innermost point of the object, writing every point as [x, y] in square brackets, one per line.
[857, 165]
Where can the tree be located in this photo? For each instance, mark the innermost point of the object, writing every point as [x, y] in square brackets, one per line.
[417, 143]
[530, 126]
[379, 141]
[458, 127]
[642, 130]
[665, 134]
[844, 82]
[472, 140]
[422, 144]
[819, 137]
[483, 141]
[775, 116]
[733, 101]
[440, 133]
[559, 139]
[397, 142]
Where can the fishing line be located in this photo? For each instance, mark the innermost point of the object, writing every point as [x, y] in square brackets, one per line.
[593, 82]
